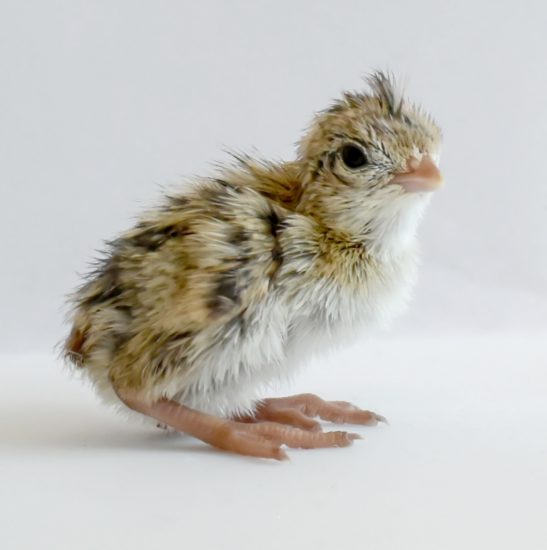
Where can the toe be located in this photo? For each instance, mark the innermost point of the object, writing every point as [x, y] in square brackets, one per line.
[304, 439]
[343, 414]
[344, 439]
[292, 417]
[233, 437]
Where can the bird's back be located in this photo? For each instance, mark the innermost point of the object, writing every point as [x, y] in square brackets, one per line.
[171, 287]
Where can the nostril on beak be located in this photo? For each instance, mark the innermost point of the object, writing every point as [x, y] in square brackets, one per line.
[413, 164]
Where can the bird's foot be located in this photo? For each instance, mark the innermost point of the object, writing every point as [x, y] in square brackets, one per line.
[281, 421]
[263, 439]
[301, 410]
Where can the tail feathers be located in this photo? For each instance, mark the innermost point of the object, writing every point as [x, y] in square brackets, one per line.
[74, 346]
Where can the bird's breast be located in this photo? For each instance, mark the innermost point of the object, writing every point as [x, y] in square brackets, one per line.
[279, 335]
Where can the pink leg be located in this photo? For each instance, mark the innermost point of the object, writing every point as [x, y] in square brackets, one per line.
[260, 440]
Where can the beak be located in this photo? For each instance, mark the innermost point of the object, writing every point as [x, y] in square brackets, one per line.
[421, 176]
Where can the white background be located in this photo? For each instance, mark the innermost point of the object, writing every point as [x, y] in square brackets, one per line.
[103, 102]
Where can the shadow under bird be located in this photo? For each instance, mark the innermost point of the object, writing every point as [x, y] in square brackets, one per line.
[225, 287]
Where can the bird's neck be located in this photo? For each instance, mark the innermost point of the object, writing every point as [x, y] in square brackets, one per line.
[385, 231]
[391, 231]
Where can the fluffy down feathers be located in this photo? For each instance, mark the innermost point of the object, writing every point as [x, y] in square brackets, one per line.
[218, 291]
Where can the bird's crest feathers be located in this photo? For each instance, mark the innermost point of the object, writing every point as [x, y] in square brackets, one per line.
[387, 90]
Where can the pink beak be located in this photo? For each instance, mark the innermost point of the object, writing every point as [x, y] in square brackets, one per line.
[422, 176]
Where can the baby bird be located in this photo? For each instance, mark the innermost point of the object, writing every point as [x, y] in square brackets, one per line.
[224, 288]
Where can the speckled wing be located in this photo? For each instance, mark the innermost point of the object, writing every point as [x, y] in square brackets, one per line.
[193, 264]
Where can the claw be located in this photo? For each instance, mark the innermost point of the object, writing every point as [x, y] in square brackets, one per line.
[382, 419]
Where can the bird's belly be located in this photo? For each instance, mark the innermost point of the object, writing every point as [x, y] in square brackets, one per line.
[229, 377]
[327, 320]
[277, 338]
[314, 333]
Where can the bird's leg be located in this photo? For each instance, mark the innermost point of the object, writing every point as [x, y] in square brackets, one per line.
[300, 410]
[261, 440]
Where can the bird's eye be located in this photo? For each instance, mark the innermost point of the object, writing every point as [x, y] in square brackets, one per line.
[353, 157]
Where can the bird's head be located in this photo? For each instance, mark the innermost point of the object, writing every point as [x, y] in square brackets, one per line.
[370, 163]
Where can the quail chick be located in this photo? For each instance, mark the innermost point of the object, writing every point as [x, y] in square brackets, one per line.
[229, 286]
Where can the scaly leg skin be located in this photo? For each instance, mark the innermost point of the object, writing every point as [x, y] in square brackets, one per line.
[300, 411]
[260, 440]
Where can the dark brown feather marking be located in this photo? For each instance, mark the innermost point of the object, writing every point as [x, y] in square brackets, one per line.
[178, 201]
[273, 220]
[180, 337]
[228, 185]
[151, 239]
[226, 294]
[227, 288]
[239, 237]
[277, 252]
[107, 276]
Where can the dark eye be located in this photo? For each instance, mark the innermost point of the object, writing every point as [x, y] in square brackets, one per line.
[353, 157]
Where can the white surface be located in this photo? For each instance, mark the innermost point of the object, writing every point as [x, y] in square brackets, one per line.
[462, 465]
[103, 101]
